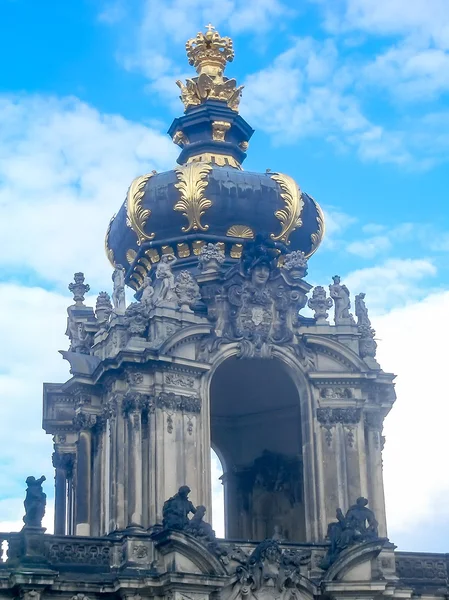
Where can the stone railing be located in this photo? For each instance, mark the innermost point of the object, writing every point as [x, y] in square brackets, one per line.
[115, 552]
[125, 549]
[35, 548]
[422, 569]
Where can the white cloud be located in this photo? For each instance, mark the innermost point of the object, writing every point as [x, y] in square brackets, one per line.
[64, 171]
[32, 322]
[12, 511]
[164, 26]
[420, 18]
[369, 247]
[413, 345]
[306, 93]
[412, 72]
[394, 283]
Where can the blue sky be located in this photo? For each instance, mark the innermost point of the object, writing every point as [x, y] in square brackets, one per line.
[348, 96]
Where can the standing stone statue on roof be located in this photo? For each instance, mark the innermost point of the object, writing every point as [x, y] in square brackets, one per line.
[35, 501]
[118, 294]
[166, 292]
[147, 296]
[340, 295]
[361, 312]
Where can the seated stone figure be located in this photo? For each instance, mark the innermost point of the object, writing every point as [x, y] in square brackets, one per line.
[357, 526]
[200, 528]
[361, 521]
[176, 510]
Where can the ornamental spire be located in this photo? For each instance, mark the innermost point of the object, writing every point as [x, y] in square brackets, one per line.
[209, 52]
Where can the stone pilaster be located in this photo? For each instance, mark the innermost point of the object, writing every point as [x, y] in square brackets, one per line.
[133, 413]
[373, 432]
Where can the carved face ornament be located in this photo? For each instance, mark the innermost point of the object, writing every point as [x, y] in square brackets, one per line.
[260, 275]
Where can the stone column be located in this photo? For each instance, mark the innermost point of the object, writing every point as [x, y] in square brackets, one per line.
[83, 483]
[97, 479]
[112, 525]
[120, 473]
[60, 496]
[63, 463]
[376, 497]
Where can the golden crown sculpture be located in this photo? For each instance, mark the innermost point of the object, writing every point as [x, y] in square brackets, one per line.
[208, 53]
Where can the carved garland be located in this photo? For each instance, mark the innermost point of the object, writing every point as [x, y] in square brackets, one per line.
[136, 215]
[290, 215]
[192, 203]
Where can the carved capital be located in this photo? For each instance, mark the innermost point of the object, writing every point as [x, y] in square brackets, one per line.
[177, 402]
[64, 461]
[374, 420]
[331, 416]
[84, 420]
[135, 402]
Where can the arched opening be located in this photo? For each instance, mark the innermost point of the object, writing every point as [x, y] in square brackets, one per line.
[256, 431]
[217, 471]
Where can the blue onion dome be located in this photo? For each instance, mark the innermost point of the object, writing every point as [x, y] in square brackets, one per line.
[208, 197]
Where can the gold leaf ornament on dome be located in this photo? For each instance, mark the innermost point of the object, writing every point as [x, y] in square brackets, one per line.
[290, 214]
[317, 237]
[131, 255]
[192, 203]
[109, 251]
[136, 215]
[240, 231]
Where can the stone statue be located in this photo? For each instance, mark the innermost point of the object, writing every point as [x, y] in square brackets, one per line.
[367, 343]
[340, 295]
[361, 312]
[147, 296]
[35, 501]
[118, 294]
[277, 534]
[320, 303]
[186, 290]
[200, 528]
[357, 526]
[103, 308]
[361, 520]
[80, 340]
[176, 510]
[165, 275]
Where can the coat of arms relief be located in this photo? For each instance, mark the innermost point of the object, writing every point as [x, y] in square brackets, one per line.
[256, 304]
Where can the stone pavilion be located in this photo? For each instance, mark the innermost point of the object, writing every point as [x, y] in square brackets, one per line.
[226, 347]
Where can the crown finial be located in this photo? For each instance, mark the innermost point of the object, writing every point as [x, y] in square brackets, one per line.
[209, 52]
